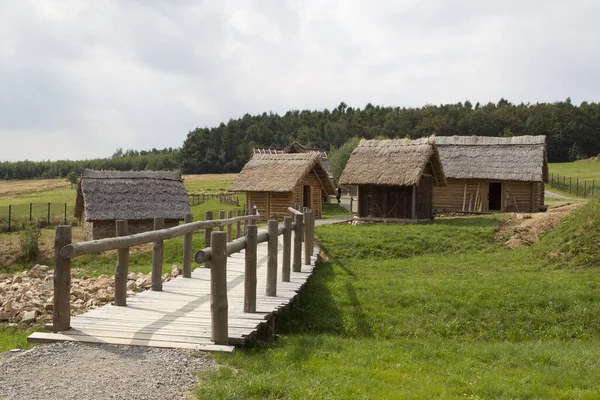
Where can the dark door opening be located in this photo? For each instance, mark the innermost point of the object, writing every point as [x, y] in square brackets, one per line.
[495, 196]
[306, 196]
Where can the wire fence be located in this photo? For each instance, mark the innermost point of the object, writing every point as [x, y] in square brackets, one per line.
[15, 217]
[574, 186]
[199, 198]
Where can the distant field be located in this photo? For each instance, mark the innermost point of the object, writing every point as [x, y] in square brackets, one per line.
[208, 183]
[584, 169]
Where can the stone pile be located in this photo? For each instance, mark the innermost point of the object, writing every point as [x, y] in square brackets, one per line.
[27, 297]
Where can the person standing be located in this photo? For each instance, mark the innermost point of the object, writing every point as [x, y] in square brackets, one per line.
[339, 194]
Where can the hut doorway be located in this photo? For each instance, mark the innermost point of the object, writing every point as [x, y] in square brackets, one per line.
[495, 196]
[306, 196]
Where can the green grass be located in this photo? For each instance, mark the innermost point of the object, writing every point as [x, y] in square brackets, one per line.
[584, 169]
[331, 210]
[436, 310]
[15, 337]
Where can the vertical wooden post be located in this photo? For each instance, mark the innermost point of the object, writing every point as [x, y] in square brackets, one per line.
[298, 234]
[351, 207]
[187, 249]
[593, 184]
[252, 221]
[287, 249]
[218, 289]
[229, 226]
[222, 216]
[414, 202]
[62, 281]
[312, 233]
[157, 257]
[48, 214]
[9, 212]
[272, 258]
[65, 213]
[238, 225]
[122, 267]
[31, 212]
[250, 269]
[307, 252]
[584, 188]
[570, 180]
[207, 233]
[577, 187]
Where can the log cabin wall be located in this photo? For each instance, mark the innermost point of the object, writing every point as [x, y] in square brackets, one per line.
[466, 192]
[424, 192]
[316, 194]
[381, 201]
[270, 204]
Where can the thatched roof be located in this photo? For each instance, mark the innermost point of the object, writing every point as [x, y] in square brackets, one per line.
[398, 162]
[520, 158]
[280, 173]
[110, 195]
[296, 147]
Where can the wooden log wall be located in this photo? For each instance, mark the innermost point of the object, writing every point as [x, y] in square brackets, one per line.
[316, 194]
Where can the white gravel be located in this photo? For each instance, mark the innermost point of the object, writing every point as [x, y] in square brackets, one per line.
[87, 371]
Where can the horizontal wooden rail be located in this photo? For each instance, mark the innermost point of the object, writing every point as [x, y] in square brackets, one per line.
[95, 246]
[235, 246]
[294, 211]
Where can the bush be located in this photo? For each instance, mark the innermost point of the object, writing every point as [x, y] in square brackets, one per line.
[29, 242]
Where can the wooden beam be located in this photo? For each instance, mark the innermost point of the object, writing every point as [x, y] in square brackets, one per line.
[187, 249]
[122, 268]
[158, 252]
[218, 290]
[61, 311]
[272, 258]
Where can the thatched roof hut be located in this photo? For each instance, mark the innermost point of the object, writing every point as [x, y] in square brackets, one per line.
[274, 181]
[496, 174]
[394, 177]
[296, 147]
[139, 197]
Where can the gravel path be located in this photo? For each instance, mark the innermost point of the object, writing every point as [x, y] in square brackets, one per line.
[555, 195]
[87, 371]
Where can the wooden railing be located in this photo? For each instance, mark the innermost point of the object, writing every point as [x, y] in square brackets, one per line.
[219, 245]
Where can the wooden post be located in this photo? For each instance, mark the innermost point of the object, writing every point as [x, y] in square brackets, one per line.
[351, 207]
[187, 249]
[272, 258]
[122, 267]
[570, 185]
[593, 184]
[207, 232]
[584, 188]
[252, 221]
[31, 212]
[62, 281]
[48, 214]
[312, 233]
[238, 225]
[218, 289]
[299, 232]
[287, 249]
[577, 187]
[9, 212]
[307, 252]
[229, 226]
[158, 249]
[222, 216]
[65, 213]
[414, 203]
[250, 270]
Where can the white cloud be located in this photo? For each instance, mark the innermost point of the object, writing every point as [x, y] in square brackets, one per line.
[79, 79]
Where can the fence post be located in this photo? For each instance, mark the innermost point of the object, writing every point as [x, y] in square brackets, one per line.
[238, 225]
[585, 188]
[222, 216]
[218, 289]
[593, 184]
[48, 214]
[9, 212]
[287, 249]
[122, 267]
[61, 312]
[252, 221]
[250, 270]
[570, 185]
[298, 234]
[157, 257]
[351, 207]
[307, 252]
[229, 226]
[577, 187]
[187, 248]
[272, 258]
[208, 216]
[312, 233]
[31, 212]
[65, 213]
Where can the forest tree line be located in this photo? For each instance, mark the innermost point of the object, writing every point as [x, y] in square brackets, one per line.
[572, 131]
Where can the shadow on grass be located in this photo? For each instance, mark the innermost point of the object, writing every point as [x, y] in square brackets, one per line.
[481, 222]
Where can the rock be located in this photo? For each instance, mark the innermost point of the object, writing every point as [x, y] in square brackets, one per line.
[4, 316]
[29, 317]
[130, 285]
[48, 306]
[17, 279]
[175, 270]
[36, 271]
[131, 276]
[47, 285]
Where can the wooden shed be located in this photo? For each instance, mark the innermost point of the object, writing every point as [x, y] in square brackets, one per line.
[395, 178]
[273, 182]
[137, 196]
[490, 174]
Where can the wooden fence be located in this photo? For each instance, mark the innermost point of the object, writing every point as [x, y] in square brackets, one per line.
[14, 217]
[199, 198]
[575, 186]
[219, 245]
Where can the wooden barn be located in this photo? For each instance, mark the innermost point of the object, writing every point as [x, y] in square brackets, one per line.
[106, 196]
[273, 182]
[395, 178]
[490, 174]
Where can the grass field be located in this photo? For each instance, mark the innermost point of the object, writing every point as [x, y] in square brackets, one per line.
[436, 310]
[584, 169]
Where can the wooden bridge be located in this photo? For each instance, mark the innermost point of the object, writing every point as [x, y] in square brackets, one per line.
[229, 303]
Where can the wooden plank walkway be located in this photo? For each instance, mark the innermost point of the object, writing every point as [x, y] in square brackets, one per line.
[179, 316]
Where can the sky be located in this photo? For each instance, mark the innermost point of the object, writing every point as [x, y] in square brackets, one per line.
[79, 79]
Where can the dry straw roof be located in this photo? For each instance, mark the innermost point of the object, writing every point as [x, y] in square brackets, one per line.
[280, 173]
[397, 162]
[520, 158]
[131, 195]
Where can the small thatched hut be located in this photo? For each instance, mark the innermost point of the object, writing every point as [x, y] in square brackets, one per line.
[395, 178]
[106, 196]
[273, 182]
[490, 174]
[295, 148]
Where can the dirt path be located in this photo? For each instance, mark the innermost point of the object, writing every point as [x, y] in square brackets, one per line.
[86, 371]
[555, 195]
